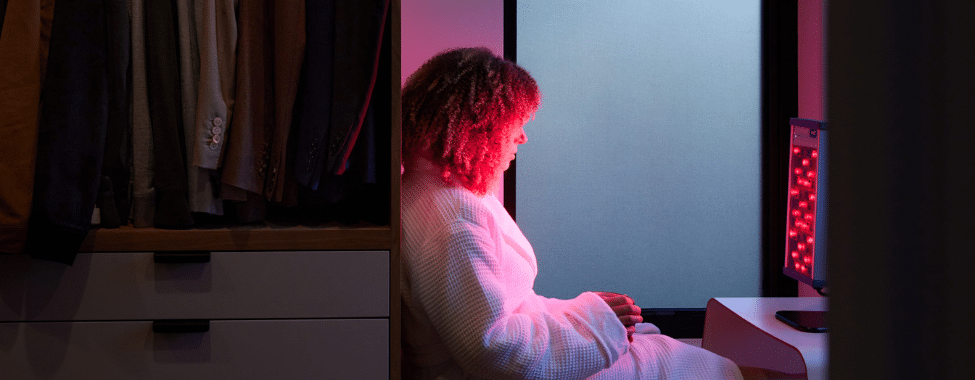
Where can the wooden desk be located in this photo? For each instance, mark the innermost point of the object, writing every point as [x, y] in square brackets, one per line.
[746, 331]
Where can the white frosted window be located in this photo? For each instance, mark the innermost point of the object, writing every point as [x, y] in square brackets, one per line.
[642, 169]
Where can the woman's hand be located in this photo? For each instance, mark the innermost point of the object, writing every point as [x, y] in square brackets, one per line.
[626, 310]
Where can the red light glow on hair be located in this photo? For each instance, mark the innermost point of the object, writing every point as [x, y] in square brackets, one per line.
[459, 108]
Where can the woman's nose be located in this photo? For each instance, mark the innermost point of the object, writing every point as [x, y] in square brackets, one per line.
[522, 138]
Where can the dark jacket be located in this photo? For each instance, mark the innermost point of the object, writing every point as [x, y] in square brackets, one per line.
[113, 194]
[165, 113]
[75, 108]
[340, 73]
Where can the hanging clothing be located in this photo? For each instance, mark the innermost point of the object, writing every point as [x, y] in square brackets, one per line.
[344, 45]
[114, 200]
[469, 310]
[314, 114]
[207, 38]
[198, 192]
[143, 192]
[359, 194]
[352, 196]
[20, 92]
[358, 41]
[248, 152]
[75, 107]
[288, 26]
[217, 37]
[162, 79]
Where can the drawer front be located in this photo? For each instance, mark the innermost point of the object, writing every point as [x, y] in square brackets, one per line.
[231, 285]
[242, 349]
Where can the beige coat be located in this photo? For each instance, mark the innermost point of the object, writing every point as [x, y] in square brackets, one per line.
[208, 46]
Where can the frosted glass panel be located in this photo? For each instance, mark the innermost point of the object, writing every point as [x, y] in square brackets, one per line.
[642, 170]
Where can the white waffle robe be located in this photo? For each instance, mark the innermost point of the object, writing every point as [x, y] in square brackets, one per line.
[470, 311]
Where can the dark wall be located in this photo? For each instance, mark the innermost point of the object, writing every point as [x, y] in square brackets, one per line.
[900, 94]
[780, 101]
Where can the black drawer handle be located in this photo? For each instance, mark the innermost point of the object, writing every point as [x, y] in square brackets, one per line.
[181, 257]
[180, 326]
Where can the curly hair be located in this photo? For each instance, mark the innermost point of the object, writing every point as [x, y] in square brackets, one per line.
[458, 109]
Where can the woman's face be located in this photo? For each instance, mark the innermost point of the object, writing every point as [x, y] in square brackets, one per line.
[516, 137]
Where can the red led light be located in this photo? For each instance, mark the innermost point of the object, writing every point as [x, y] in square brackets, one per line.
[803, 203]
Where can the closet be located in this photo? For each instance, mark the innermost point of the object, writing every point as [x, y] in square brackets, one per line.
[292, 299]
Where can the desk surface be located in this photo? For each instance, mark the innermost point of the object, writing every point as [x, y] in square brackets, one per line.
[746, 331]
[761, 313]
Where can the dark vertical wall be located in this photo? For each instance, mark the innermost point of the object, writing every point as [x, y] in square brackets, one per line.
[900, 94]
[779, 103]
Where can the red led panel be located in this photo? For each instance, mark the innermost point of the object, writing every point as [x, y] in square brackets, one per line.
[802, 209]
[808, 178]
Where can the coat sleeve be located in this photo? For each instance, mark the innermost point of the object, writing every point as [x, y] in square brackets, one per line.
[461, 285]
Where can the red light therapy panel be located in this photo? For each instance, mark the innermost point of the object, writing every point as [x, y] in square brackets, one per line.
[802, 208]
[805, 227]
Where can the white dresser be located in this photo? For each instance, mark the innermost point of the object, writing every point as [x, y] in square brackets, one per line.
[197, 315]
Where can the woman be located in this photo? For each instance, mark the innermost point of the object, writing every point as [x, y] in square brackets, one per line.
[469, 310]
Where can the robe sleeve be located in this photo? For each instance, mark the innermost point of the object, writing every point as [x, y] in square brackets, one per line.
[461, 285]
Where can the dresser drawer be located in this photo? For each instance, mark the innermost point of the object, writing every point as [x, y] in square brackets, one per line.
[231, 285]
[241, 349]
